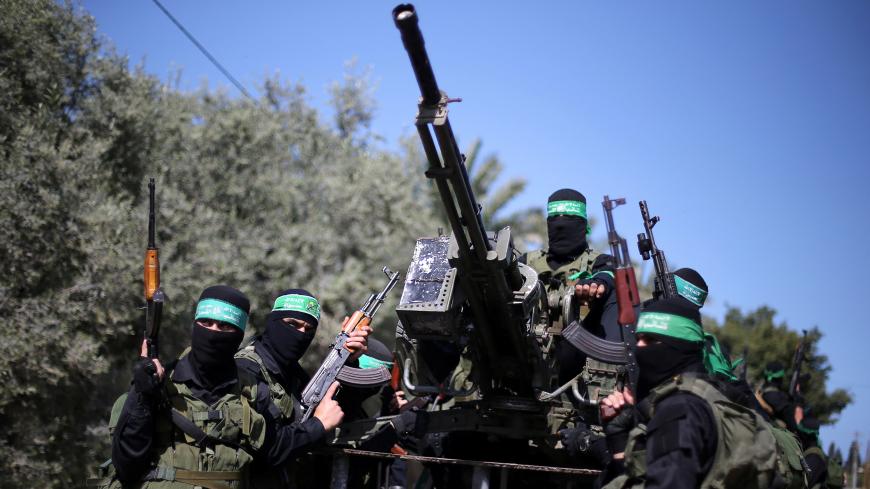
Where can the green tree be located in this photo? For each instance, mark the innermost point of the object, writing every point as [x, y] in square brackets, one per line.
[767, 341]
[258, 194]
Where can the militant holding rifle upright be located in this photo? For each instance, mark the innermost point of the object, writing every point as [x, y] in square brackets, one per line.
[153, 293]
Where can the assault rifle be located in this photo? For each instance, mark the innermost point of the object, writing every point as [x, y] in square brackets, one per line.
[627, 296]
[796, 363]
[333, 367]
[153, 293]
[646, 245]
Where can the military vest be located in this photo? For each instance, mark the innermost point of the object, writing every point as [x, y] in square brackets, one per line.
[282, 409]
[835, 470]
[201, 445]
[282, 401]
[750, 453]
[558, 282]
[836, 474]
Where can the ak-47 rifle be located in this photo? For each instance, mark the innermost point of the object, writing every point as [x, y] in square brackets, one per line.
[333, 365]
[646, 245]
[153, 293]
[796, 363]
[627, 296]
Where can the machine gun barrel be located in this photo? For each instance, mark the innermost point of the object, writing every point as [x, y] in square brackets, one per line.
[405, 18]
[487, 266]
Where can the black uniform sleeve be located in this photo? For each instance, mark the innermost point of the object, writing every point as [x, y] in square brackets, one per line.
[681, 443]
[283, 441]
[133, 438]
[603, 317]
[818, 469]
[603, 269]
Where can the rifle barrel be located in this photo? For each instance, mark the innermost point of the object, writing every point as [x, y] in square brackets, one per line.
[152, 241]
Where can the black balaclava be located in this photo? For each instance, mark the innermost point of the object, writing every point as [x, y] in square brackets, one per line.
[285, 342]
[211, 352]
[691, 287]
[808, 431]
[566, 231]
[661, 360]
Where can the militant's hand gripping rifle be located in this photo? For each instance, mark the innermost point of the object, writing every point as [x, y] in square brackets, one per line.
[333, 367]
[626, 287]
[796, 364]
[153, 293]
[665, 287]
[495, 294]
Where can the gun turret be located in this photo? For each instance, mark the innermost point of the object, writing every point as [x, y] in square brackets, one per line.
[497, 295]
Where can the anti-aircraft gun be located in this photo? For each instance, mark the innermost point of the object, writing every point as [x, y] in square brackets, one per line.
[469, 287]
[469, 293]
[468, 297]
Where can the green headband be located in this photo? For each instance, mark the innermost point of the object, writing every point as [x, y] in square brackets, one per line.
[691, 292]
[776, 374]
[221, 311]
[664, 324]
[566, 208]
[678, 327]
[569, 208]
[806, 430]
[299, 303]
[366, 361]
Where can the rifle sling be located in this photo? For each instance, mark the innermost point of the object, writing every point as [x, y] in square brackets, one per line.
[199, 436]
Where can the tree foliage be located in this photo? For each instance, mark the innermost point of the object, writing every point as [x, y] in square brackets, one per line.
[259, 194]
[765, 341]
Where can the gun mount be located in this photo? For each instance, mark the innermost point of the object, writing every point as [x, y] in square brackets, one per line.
[469, 287]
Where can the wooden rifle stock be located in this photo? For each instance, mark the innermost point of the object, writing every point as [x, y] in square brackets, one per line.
[626, 295]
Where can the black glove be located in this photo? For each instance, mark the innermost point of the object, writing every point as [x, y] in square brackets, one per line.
[617, 431]
[145, 380]
[406, 422]
[576, 440]
[583, 440]
[591, 281]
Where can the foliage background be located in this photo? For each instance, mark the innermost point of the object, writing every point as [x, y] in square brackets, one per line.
[261, 194]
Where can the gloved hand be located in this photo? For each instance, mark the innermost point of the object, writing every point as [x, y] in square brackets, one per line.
[582, 440]
[590, 290]
[617, 431]
[145, 379]
[576, 440]
[407, 421]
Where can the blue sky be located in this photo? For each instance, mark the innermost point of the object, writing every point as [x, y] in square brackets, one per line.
[745, 125]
